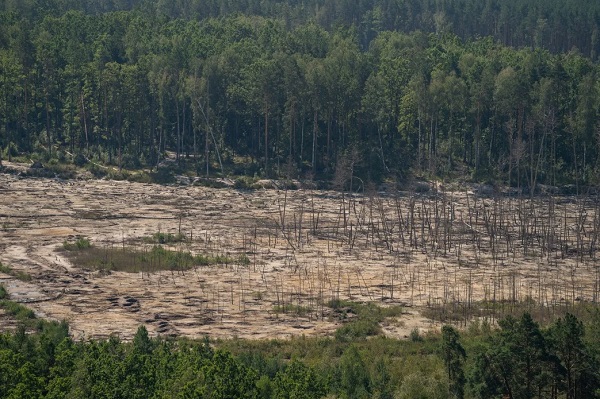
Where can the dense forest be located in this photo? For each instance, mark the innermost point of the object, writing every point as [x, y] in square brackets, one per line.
[558, 26]
[502, 90]
[518, 360]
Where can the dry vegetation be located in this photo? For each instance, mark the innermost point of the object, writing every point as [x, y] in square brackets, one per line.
[144, 260]
[286, 256]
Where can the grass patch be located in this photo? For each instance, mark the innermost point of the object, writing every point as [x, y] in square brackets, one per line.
[19, 275]
[415, 335]
[365, 320]
[18, 311]
[162, 176]
[80, 243]
[166, 238]
[365, 310]
[358, 329]
[205, 260]
[243, 260]
[257, 295]
[27, 318]
[463, 313]
[53, 168]
[63, 171]
[292, 309]
[132, 260]
[244, 182]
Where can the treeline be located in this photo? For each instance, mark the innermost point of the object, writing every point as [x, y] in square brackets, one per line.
[522, 360]
[518, 360]
[555, 25]
[51, 365]
[124, 87]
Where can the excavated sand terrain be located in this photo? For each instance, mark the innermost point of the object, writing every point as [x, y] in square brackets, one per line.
[305, 248]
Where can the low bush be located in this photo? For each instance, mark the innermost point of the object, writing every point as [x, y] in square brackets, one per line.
[18, 274]
[166, 238]
[97, 171]
[357, 329]
[366, 320]
[292, 309]
[79, 244]
[244, 183]
[243, 260]
[415, 335]
[20, 312]
[80, 160]
[163, 176]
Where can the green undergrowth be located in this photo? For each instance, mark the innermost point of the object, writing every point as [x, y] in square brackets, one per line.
[292, 309]
[113, 172]
[26, 317]
[378, 367]
[20, 312]
[18, 274]
[165, 238]
[363, 318]
[52, 169]
[328, 356]
[80, 243]
[358, 320]
[132, 260]
[464, 314]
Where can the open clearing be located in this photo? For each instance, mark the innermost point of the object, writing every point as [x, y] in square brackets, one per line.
[426, 251]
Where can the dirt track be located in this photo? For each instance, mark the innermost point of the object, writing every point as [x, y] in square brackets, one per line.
[302, 255]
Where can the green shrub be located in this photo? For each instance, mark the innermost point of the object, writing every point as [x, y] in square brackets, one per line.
[131, 161]
[140, 177]
[421, 385]
[79, 160]
[243, 260]
[97, 171]
[115, 174]
[358, 329]
[415, 335]
[293, 309]
[79, 244]
[5, 269]
[20, 312]
[62, 170]
[204, 260]
[366, 320]
[11, 151]
[163, 176]
[244, 182]
[166, 238]
[19, 275]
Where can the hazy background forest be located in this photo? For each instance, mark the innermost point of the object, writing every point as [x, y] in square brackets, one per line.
[505, 91]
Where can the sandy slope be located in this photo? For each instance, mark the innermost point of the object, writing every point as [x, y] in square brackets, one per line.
[300, 252]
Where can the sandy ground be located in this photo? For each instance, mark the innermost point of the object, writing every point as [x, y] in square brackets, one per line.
[306, 248]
